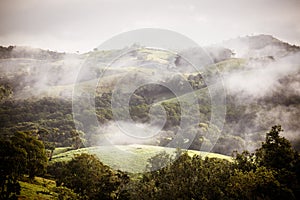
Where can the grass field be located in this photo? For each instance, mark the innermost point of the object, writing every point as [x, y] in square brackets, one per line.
[130, 158]
[39, 189]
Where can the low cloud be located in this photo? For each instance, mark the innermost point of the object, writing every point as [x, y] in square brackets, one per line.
[113, 134]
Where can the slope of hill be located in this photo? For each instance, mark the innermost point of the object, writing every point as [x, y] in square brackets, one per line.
[259, 46]
[130, 158]
[41, 188]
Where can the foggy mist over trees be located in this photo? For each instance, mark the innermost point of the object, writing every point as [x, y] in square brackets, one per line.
[47, 113]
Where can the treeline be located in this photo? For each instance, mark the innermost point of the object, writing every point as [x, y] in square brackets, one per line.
[49, 118]
[271, 172]
[27, 52]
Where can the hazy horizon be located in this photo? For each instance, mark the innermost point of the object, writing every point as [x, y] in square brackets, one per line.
[70, 26]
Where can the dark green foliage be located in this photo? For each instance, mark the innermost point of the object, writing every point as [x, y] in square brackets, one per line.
[50, 118]
[259, 184]
[140, 112]
[173, 114]
[12, 167]
[185, 177]
[245, 161]
[5, 91]
[273, 167]
[36, 160]
[21, 154]
[103, 107]
[87, 176]
[196, 81]
[276, 152]
[159, 161]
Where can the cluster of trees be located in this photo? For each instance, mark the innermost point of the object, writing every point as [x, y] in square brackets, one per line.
[20, 154]
[5, 91]
[49, 118]
[87, 176]
[196, 81]
[271, 172]
[23, 157]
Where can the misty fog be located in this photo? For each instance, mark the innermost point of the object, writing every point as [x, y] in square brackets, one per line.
[264, 83]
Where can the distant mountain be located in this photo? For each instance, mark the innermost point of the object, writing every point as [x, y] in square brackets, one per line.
[260, 46]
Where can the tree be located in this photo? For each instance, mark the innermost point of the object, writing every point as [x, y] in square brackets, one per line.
[90, 178]
[12, 161]
[77, 138]
[36, 159]
[276, 159]
[259, 184]
[5, 92]
[244, 161]
[185, 177]
[158, 161]
[276, 152]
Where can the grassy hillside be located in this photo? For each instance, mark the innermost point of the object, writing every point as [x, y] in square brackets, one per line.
[40, 189]
[130, 158]
[44, 189]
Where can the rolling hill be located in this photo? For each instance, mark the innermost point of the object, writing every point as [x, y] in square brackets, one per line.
[130, 158]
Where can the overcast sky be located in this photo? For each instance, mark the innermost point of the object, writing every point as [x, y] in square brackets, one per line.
[77, 25]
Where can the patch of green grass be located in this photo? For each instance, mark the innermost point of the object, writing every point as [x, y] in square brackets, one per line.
[231, 64]
[224, 67]
[60, 150]
[39, 189]
[156, 55]
[188, 97]
[130, 158]
[209, 155]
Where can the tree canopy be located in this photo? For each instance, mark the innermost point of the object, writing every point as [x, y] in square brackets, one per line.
[90, 178]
